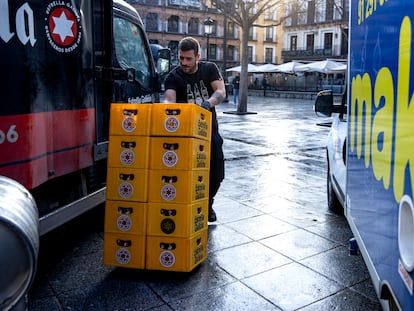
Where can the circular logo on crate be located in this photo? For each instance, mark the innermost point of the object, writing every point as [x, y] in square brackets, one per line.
[128, 124]
[122, 256]
[168, 192]
[167, 259]
[172, 124]
[125, 190]
[167, 226]
[170, 158]
[127, 157]
[124, 223]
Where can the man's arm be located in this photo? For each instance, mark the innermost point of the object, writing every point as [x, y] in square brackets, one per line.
[170, 96]
[219, 93]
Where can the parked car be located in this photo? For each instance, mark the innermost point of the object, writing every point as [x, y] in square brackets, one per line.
[335, 147]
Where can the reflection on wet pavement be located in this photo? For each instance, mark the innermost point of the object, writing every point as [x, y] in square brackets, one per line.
[275, 245]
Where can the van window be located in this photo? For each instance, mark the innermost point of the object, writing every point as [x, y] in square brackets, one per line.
[130, 50]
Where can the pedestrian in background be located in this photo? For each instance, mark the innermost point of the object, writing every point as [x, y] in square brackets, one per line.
[264, 84]
[236, 83]
[201, 83]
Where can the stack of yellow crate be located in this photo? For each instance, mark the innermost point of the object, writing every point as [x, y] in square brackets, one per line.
[127, 186]
[171, 216]
[179, 182]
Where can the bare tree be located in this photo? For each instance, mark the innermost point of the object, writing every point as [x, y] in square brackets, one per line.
[245, 14]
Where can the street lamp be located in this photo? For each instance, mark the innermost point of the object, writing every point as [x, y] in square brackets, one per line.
[208, 30]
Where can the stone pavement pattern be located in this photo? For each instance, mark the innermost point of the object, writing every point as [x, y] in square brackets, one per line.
[275, 245]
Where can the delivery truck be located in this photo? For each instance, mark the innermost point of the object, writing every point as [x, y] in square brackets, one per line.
[370, 148]
[63, 63]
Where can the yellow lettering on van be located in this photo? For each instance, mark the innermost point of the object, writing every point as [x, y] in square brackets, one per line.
[404, 125]
[369, 8]
[360, 11]
[361, 100]
[382, 127]
[381, 120]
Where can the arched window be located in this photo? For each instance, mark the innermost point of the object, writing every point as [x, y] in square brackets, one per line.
[173, 23]
[151, 22]
[193, 26]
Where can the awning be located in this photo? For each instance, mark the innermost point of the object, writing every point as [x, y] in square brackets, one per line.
[324, 66]
[250, 68]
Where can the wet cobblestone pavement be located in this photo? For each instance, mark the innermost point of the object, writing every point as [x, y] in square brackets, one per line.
[275, 245]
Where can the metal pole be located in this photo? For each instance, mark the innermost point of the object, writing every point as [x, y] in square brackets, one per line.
[226, 100]
[208, 45]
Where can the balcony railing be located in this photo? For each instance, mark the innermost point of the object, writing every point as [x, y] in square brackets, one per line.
[312, 53]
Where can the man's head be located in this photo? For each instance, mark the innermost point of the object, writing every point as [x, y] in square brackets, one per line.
[189, 54]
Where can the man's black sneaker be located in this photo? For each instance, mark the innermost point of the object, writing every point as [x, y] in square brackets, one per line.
[211, 215]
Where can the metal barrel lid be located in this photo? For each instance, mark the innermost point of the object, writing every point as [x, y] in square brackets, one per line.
[19, 242]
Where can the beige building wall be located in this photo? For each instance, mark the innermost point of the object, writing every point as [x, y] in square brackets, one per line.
[266, 41]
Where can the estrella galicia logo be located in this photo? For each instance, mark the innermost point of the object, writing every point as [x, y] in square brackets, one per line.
[63, 28]
[167, 226]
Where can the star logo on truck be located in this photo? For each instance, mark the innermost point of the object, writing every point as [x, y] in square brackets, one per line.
[63, 27]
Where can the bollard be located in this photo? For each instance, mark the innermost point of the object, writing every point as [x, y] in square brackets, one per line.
[19, 244]
[353, 247]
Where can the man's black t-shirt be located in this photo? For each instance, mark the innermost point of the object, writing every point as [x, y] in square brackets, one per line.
[193, 88]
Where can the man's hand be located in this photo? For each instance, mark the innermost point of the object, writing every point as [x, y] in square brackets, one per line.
[206, 105]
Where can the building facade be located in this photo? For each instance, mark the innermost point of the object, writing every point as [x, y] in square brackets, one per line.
[265, 40]
[316, 31]
[168, 21]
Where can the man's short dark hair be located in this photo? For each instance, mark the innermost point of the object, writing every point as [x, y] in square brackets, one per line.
[188, 44]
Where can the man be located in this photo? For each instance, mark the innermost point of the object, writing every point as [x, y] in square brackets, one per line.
[200, 83]
[236, 83]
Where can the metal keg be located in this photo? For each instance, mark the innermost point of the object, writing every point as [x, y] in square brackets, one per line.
[19, 243]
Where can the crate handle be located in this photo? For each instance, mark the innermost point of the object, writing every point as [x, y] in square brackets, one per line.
[201, 148]
[169, 179]
[198, 241]
[130, 112]
[202, 116]
[168, 146]
[125, 210]
[199, 209]
[126, 176]
[128, 144]
[168, 212]
[172, 112]
[200, 178]
[169, 246]
[124, 243]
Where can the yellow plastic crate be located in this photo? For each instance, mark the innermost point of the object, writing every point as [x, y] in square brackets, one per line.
[187, 120]
[124, 250]
[178, 220]
[178, 186]
[176, 254]
[125, 217]
[128, 151]
[127, 184]
[130, 119]
[179, 153]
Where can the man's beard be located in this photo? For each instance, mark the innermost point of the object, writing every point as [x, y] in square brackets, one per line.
[189, 69]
